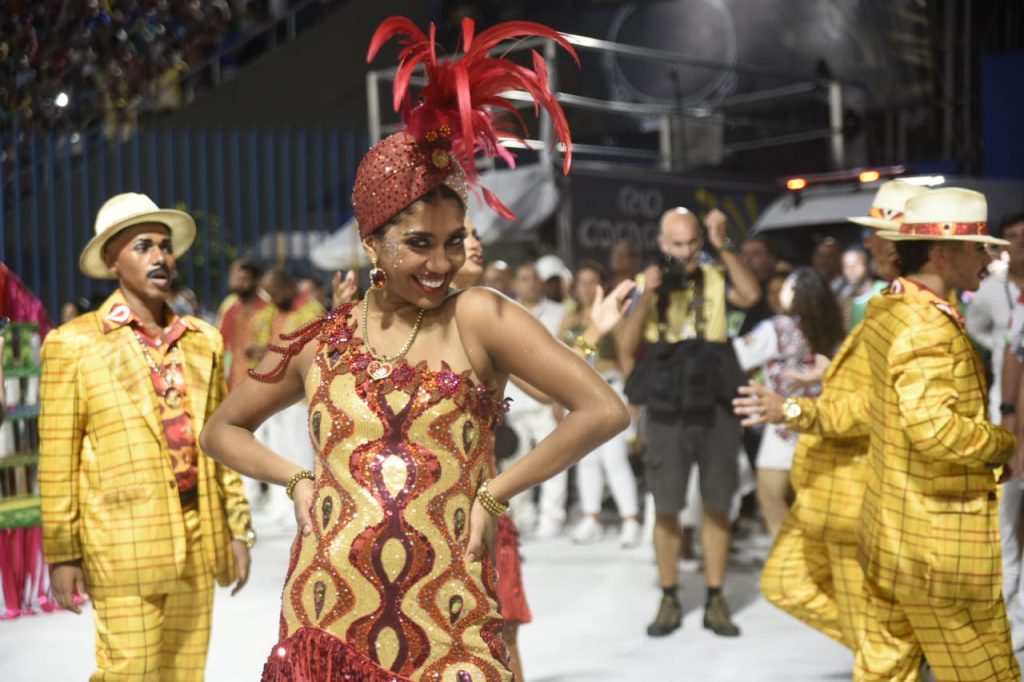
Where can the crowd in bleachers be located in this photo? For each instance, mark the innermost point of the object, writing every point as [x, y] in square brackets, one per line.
[111, 59]
[67, 66]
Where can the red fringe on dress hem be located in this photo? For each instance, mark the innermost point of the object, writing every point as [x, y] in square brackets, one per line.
[511, 593]
[313, 655]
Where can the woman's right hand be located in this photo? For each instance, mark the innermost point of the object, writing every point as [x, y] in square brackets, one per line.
[302, 496]
[483, 530]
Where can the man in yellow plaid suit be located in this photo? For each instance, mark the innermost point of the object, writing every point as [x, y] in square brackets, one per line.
[929, 540]
[134, 514]
[812, 572]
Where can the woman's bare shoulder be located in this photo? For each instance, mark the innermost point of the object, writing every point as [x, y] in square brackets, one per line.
[474, 301]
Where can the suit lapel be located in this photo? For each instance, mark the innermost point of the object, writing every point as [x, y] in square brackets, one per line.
[198, 371]
[128, 365]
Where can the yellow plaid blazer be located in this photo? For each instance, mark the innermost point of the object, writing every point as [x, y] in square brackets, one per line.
[829, 465]
[108, 493]
[929, 525]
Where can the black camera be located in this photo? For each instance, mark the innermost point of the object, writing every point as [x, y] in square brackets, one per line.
[674, 276]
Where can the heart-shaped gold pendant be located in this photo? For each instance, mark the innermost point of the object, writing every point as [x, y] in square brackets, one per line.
[379, 370]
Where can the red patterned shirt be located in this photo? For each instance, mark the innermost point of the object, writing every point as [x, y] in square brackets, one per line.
[172, 393]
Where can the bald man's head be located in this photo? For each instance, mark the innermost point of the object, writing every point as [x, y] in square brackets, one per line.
[681, 237]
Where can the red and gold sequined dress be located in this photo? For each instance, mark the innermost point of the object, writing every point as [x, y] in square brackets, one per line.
[381, 589]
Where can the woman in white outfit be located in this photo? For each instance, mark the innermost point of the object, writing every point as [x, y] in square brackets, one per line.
[610, 461]
[785, 348]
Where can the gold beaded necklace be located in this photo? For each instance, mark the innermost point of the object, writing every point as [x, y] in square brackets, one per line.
[171, 395]
[382, 366]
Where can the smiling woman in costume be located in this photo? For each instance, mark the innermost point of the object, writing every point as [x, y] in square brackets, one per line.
[392, 576]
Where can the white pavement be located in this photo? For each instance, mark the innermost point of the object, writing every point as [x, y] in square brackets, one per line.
[591, 605]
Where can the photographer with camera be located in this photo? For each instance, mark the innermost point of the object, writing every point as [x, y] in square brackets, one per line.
[684, 380]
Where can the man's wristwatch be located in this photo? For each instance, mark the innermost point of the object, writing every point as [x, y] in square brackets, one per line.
[791, 409]
[248, 537]
[1007, 408]
[728, 245]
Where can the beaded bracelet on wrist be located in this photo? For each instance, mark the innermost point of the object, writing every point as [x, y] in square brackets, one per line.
[584, 347]
[294, 481]
[489, 501]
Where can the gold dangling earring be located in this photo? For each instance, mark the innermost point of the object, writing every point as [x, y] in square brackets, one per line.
[378, 278]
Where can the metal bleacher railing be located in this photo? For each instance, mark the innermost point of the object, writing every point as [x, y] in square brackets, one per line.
[671, 120]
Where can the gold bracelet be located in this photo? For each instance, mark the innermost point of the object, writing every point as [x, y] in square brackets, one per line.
[248, 537]
[489, 501]
[588, 349]
[294, 481]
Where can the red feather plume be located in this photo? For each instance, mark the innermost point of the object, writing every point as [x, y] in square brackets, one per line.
[462, 93]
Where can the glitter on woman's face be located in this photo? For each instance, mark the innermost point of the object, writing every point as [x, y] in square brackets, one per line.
[422, 252]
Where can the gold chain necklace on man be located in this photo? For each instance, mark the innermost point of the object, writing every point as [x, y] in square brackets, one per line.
[171, 395]
[381, 366]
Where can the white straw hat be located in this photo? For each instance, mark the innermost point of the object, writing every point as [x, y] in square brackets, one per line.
[123, 211]
[888, 204]
[950, 214]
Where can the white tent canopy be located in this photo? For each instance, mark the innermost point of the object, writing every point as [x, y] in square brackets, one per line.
[529, 192]
[343, 250]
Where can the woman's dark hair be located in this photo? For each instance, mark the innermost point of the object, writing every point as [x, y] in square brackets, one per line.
[593, 266]
[913, 255]
[1009, 220]
[816, 306]
[433, 197]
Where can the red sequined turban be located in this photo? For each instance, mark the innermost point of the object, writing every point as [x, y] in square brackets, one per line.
[452, 118]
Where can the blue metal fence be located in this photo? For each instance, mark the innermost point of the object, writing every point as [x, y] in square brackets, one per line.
[269, 194]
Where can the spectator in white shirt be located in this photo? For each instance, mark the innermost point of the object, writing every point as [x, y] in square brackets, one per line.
[533, 420]
[995, 318]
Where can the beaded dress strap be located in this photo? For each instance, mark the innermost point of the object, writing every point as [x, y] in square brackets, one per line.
[298, 340]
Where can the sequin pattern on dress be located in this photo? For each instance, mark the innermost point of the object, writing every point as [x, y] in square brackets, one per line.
[384, 571]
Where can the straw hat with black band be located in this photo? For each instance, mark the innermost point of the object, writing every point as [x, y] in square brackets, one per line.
[126, 210]
[888, 205]
[949, 214]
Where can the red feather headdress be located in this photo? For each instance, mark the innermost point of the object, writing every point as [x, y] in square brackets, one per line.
[452, 118]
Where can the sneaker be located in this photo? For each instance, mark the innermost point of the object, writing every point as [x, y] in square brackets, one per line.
[548, 529]
[587, 532]
[629, 536]
[717, 618]
[669, 618]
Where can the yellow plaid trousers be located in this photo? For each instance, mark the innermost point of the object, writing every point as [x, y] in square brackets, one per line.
[812, 572]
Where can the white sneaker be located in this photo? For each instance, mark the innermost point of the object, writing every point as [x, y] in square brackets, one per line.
[629, 536]
[547, 530]
[587, 532]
